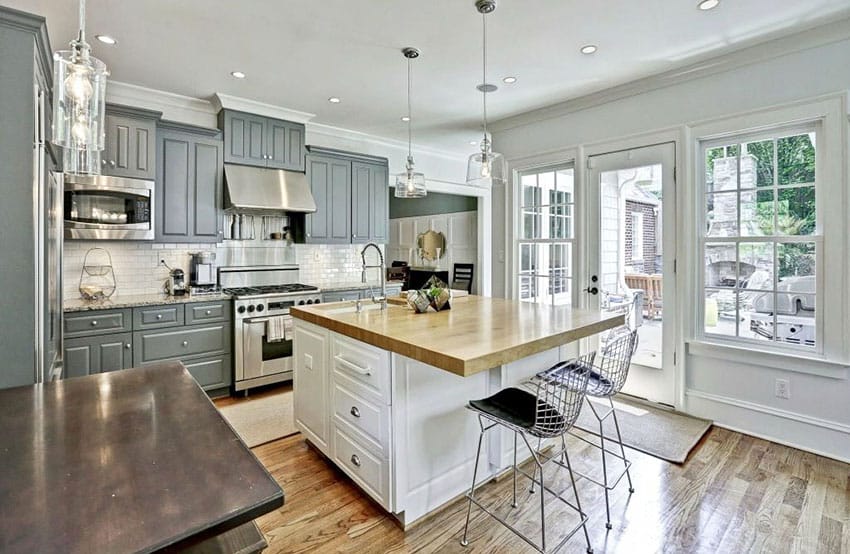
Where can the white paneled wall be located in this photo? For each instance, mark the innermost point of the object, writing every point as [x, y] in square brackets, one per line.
[137, 268]
[460, 229]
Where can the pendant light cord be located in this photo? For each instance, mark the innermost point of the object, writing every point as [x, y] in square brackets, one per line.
[82, 20]
[409, 116]
[484, 82]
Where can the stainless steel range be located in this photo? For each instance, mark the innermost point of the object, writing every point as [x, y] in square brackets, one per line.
[262, 324]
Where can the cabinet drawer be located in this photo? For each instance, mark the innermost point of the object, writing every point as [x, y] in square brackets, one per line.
[364, 364]
[82, 324]
[207, 312]
[154, 346]
[368, 470]
[212, 373]
[157, 316]
[371, 419]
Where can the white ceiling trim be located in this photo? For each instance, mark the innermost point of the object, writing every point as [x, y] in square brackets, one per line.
[174, 107]
[835, 31]
[225, 101]
[357, 136]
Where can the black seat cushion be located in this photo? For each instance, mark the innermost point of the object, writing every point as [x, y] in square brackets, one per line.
[517, 407]
[597, 384]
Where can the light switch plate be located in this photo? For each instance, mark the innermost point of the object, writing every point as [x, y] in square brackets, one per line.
[308, 361]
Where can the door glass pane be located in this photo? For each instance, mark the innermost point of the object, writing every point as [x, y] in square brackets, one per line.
[720, 264]
[796, 159]
[796, 211]
[721, 214]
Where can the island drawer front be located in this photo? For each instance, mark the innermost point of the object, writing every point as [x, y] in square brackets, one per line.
[95, 322]
[364, 364]
[154, 317]
[370, 419]
[369, 471]
[207, 312]
[211, 373]
[153, 346]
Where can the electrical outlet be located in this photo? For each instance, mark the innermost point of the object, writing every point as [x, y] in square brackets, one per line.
[783, 389]
[317, 256]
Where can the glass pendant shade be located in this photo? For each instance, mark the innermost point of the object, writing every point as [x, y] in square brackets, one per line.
[410, 184]
[486, 168]
[79, 99]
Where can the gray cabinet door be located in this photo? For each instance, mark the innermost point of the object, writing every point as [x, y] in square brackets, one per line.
[189, 187]
[284, 145]
[244, 138]
[295, 147]
[330, 183]
[212, 373]
[98, 354]
[130, 147]
[369, 202]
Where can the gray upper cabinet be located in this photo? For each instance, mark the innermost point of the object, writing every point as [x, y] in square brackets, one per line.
[188, 184]
[330, 183]
[262, 141]
[352, 201]
[130, 142]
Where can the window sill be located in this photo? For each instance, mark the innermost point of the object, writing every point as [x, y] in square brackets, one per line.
[754, 356]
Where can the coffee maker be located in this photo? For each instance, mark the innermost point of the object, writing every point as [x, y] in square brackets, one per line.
[176, 282]
[202, 273]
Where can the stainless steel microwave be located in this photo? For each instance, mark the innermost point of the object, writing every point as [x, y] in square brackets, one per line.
[101, 207]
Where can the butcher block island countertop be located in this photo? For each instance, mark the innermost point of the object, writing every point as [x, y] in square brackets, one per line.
[476, 334]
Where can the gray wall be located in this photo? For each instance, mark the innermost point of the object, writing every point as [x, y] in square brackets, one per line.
[433, 204]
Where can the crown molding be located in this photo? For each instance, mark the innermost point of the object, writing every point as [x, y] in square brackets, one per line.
[175, 107]
[226, 102]
[814, 37]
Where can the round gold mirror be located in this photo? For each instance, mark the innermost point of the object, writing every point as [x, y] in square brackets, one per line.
[432, 245]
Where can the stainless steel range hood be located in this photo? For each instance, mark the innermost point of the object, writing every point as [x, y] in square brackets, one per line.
[271, 190]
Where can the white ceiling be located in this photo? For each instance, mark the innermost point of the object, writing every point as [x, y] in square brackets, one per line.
[297, 53]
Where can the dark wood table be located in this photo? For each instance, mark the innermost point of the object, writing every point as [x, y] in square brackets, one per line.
[130, 461]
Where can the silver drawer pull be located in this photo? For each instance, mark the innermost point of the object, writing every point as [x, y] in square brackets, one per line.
[208, 312]
[94, 323]
[128, 346]
[185, 343]
[355, 459]
[159, 316]
[355, 412]
[353, 367]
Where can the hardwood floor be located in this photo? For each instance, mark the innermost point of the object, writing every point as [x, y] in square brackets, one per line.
[735, 494]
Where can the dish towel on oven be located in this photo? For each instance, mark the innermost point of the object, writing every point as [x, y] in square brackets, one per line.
[276, 329]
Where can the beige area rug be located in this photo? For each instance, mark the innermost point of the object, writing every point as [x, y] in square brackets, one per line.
[655, 431]
[261, 420]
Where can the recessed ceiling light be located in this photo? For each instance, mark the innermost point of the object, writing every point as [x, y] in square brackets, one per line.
[405, 118]
[706, 5]
[334, 100]
[238, 74]
[589, 49]
[509, 80]
[106, 39]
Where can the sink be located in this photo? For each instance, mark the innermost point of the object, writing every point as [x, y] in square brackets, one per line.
[347, 307]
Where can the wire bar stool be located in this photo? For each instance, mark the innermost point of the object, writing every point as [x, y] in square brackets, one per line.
[607, 371]
[547, 413]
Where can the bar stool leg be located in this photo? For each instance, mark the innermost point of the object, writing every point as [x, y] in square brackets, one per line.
[514, 504]
[463, 541]
[620, 440]
[604, 474]
[534, 471]
[566, 459]
[538, 465]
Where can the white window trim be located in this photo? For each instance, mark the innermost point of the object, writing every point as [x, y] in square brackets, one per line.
[829, 114]
[637, 231]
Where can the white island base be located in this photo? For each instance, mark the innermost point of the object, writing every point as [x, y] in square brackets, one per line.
[398, 427]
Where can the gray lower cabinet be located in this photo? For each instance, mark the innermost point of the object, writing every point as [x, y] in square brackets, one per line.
[199, 334]
[97, 354]
[130, 142]
[352, 198]
[189, 184]
[262, 141]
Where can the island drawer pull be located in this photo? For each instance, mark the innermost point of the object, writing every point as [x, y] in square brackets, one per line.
[355, 412]
[355, 459]
[185, 343]
[159, 316]
[208, 312]
[353, 367]
[94, 323]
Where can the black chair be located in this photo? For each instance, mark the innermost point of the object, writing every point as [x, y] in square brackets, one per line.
[462, 277]
[546, 413]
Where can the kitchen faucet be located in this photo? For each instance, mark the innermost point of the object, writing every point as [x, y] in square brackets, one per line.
[382, 300]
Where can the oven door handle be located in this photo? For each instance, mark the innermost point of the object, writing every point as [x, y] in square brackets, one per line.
[353, 367]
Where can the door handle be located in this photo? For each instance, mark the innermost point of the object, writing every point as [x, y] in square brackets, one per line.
[592, 289]
[355, 412]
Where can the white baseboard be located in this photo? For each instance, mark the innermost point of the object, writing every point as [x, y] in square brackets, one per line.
[818, 436]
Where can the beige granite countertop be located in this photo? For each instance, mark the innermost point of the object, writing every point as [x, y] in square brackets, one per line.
[134, 300]
[476, 334]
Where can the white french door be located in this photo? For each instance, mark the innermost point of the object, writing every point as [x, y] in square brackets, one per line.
[630, 257]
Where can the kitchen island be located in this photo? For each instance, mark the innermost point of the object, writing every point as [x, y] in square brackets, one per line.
[382, 393]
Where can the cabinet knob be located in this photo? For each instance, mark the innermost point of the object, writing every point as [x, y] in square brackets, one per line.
[354, 236]
[208, 312]
[355, 412]
[128, 346]
[102, 162]
[185, 343]
[112, 163]
[159, 316]
[94, 323]
[309, 235]
[355, 459]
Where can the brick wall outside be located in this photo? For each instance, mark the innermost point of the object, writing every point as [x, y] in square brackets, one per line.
[647, 265]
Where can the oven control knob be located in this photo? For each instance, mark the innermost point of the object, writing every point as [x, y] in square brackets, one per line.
[241, 309]
[300, 302]
[310, 301]
[317, 301]
[251, 308]
[260, 307]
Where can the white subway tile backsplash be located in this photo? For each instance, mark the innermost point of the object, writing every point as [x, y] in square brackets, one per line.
[138, 270]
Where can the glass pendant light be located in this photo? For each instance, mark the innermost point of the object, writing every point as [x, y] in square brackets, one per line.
[410, 184]
[79, 104]
[486, 168]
